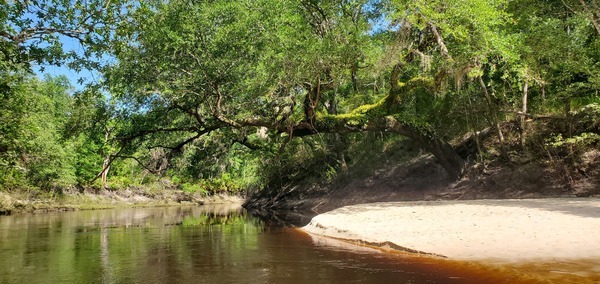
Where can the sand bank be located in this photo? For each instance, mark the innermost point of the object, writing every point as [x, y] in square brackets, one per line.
[502, 230]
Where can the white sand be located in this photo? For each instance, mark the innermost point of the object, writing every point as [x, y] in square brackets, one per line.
[503, 230]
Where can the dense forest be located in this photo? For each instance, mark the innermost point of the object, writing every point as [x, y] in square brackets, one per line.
[250, 95]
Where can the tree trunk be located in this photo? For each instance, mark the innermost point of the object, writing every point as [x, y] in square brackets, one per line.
[495, 120]
[470, 117]
[445, 154]
[442, 150]
[543, 93]
[105, 169]
[522, 118]
[107, 160]
[569, 118]
[353, 73]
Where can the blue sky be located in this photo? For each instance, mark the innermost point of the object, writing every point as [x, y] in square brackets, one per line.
[74, 77]
[70, 74]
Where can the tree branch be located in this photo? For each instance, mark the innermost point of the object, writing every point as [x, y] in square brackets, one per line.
[153, 171]
[217, 112]
[111, 159]
[146, 132]
[440, 41]
[247, 144]
[37, 32]
[591, 16]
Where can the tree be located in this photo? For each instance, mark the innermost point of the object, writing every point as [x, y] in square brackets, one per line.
[32, 31]
[190, 87]
[32, 148]
[195, 68]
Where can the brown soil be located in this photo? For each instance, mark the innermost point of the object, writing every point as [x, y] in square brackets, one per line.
[423, 179]
[542, 167]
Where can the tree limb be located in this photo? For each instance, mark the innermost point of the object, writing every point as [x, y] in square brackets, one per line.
[153, 171]
[440, 41]
[142, 133]
[591, 16]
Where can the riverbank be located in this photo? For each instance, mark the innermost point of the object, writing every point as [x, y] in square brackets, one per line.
[548, 238]
[90, 199]
[545, 165]
[496, 230]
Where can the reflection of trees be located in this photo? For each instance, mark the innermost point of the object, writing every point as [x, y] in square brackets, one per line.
[116, 246]
[205, 248]
[107, 269]
[213, 248]
[212, 218]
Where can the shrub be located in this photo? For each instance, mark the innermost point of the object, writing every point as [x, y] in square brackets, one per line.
[6, 203]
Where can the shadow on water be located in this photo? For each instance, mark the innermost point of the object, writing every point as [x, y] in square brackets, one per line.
[283, 218]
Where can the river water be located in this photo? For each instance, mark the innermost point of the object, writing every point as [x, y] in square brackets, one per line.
[202, 244]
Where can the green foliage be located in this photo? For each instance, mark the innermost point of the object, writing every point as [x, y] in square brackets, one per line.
[307, 160]
[210, 94]
[33, 151]
[33, 32]
[584, 139]
[88, 158]
[193, 188]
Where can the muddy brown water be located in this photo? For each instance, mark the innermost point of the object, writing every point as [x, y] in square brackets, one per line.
[206, 244]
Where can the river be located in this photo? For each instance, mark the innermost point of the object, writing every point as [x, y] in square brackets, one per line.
[202, 244]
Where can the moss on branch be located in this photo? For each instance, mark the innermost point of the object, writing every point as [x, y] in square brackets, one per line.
[404, 89]
[373, 116]
[359, 116]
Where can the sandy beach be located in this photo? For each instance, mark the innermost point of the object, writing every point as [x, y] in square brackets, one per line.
[498, 230]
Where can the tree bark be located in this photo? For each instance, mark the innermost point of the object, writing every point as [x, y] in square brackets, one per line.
[354, 75]
[524, 110]
[105, 169]
[440, 41]
[442, 150]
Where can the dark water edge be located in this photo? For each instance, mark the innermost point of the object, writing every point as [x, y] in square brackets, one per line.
[206, 244]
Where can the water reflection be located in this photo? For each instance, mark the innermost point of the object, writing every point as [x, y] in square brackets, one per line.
[196, 245]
